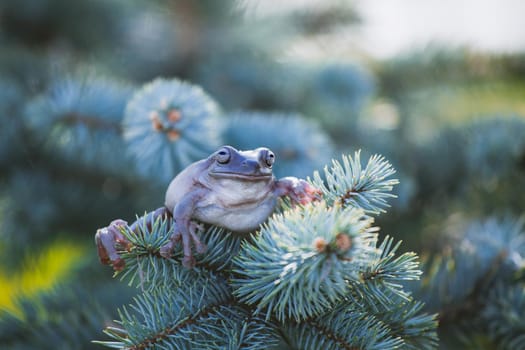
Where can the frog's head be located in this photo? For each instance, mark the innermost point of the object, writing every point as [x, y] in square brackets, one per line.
[254, 165]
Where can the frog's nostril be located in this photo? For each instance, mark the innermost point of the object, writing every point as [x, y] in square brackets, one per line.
[250, 164]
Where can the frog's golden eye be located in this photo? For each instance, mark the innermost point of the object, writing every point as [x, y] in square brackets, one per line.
[223, 156]
[270, 158]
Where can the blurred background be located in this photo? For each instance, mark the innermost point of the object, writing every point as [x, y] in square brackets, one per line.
[437, 87]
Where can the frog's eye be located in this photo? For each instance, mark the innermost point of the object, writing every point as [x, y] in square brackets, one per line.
[270, 158]
[223, 156]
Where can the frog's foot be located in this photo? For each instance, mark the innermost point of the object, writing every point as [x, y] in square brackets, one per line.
[108, 239]
[187, 234]
[195, 229]
[299, 190]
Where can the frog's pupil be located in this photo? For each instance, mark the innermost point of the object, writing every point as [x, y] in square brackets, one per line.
[224, 157]
[270, 159]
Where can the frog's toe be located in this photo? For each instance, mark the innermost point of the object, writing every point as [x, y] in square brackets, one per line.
[200, 247]
[166, 250]
[305, 193]
[194, 230]
[102, 253]
[119, 264]
[188, 262]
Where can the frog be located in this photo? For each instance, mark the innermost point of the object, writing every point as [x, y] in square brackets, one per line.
[233, 189]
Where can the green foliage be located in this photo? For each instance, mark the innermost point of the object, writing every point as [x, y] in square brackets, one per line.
[351, 185]
[64, 319]
[145, 267]
[344, 328]
[168, 124]
[336, 95]
[477, 280]
[81, 112]
[10, 100]
[495, 147]
[480, 163]
[164, 315]
[87, 135]
[344, 86]
[37, 23]
[505, 324]
[315, 267]
[302, 260]
[242, 79]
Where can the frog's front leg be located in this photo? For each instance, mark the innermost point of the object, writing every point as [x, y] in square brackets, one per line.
[185, 229]
[300, 191]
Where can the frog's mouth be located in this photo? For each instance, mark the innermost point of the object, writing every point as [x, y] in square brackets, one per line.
[250, 177]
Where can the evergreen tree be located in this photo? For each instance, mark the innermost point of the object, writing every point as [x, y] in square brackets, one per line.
[315, 276]
[103, 102]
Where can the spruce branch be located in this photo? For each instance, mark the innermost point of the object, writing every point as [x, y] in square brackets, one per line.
[345, 327]
[486, 253]
[235, 327]
[484, 157]
[473, 283]
[385, 274]
[349, 184]
[403, 317]
[78, 118]
[309, 253]
[162, 317]
[504, 316]
[169, 124]
[406, 321]
[146, 268]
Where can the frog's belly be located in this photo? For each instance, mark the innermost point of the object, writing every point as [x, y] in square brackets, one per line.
[237, 219]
